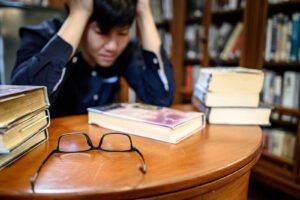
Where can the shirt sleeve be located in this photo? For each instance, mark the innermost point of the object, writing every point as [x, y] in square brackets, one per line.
[143, 74]
[40, 61]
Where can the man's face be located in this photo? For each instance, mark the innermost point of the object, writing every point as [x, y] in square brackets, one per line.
[104, 49]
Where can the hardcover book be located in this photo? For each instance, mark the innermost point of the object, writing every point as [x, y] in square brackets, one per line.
[160, 123]
[21, 131]
[17, 101]
[231, 79]
[221, 99]
[235, 115]
[34, 141]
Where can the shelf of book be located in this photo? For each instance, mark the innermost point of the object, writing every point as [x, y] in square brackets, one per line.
[284, 124]
[285, 6]
[227, 15]
[282, 66]
[283, 162]
[165, 24]
[273, 170]
[215, 62]
[254, 15]
[278, 18]
[193, 20]
[289, 111]
[192, 61]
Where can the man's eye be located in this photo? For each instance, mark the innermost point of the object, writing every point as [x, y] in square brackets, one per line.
[98, 31]
[124, 33]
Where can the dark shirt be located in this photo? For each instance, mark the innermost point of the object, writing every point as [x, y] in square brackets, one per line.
[73, 85]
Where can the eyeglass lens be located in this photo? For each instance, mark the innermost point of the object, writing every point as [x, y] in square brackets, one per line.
[73, 143]
[116, 142]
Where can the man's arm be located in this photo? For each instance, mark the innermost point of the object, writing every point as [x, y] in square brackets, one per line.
[149, 35]
[79, 14]
[147, 30]
[42, 57]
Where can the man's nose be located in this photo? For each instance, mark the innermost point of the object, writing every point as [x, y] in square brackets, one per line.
[111, 44]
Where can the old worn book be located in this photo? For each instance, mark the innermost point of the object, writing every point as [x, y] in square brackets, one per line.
[160, 123]
[231, 79]
[235, 115]
[22, 130]
[35, 140]
[224, 99]
[18, 101]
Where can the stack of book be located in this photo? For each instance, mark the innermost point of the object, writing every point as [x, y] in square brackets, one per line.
[230, 95]
[24, 120]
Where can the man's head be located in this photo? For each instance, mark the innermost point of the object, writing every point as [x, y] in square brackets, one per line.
[107, 33]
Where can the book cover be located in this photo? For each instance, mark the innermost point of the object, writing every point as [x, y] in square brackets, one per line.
[161, 123]
[219, 99]
[12, 90]
[235, 115]
[231, 79]
[18, 101]
[11, 138]
[34, 141]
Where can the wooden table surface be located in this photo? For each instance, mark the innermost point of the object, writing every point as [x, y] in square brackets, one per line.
[214, 162]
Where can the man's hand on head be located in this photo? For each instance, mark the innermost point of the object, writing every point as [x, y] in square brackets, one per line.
[142, 6]
[80, 6]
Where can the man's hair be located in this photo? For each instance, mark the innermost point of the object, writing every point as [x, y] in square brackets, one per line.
[113, 13]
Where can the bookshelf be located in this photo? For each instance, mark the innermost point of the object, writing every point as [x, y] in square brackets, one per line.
[276, 171]
[211, 16]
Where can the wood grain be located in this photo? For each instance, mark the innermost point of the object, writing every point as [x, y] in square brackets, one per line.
[212, 162]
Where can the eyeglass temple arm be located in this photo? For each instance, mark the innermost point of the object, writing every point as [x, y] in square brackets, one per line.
[34, 177]
[144, 167]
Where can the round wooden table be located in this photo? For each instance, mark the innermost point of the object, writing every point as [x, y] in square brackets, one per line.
[214, 164]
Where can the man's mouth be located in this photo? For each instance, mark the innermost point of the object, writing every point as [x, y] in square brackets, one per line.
[107, 58]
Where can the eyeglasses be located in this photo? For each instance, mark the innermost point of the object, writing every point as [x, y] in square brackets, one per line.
[80, 142]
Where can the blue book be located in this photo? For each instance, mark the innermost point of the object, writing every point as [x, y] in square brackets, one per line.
[295, 40]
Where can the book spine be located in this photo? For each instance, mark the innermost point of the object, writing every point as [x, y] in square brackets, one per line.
[274, 37]
[295, 40]
[268, 91]
[277, 89]
[204, 79]
[229, 44]
[268, 41]
[290, 85]
[200, 94]
[200, 106]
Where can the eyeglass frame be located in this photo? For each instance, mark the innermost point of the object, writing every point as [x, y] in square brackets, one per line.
[142, 168]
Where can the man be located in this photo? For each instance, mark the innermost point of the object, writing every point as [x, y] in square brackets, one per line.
[81, 59]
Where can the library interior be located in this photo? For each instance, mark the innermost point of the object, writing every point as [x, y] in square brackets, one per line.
[255, 42]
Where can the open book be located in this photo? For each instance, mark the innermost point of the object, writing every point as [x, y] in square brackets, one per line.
[160, 123]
